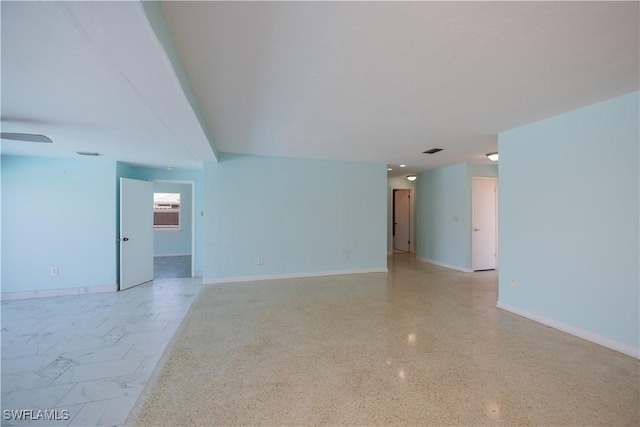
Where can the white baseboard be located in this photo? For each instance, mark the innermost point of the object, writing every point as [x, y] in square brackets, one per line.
[580, 333]
[291, 276]
[166, 255]
[46, 293]
[442, 264]
[198, 274]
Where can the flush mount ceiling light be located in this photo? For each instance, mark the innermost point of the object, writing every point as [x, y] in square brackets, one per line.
[412, 177]
[493, 156]
[89, 153]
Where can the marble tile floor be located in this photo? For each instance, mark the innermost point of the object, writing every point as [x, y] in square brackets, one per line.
[172, 267]
[90, 355]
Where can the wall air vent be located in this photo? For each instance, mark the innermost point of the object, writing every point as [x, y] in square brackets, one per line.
[432, 151]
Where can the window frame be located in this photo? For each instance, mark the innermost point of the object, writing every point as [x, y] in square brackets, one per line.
[171, 208]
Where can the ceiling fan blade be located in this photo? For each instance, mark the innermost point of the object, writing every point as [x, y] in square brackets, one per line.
[27, 137]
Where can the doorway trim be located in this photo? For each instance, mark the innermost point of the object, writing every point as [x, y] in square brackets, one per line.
[193, 215]
[412, 234]
[473, 198]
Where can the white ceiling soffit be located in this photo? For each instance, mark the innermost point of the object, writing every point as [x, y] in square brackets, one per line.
[93, 76]
[385, 81]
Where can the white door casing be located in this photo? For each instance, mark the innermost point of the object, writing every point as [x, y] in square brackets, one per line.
[136, 232]
[192, 184]
[484, 223]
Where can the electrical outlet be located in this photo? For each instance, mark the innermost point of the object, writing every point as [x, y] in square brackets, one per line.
[260, 261]
[53, 271]
[513, 283]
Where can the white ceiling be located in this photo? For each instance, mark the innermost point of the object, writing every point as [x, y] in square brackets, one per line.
[92, 76]
[363, 81]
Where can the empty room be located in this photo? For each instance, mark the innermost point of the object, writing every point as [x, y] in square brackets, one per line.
[320, 213]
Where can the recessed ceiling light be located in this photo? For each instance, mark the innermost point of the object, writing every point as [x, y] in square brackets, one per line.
[88, 153]
[493, 156]
[170, 168]
[403, 166]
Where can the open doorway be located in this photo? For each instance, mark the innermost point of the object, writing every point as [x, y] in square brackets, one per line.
[401, 221]
[173, 229]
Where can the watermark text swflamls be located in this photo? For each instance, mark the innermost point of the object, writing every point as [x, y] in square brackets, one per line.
[36, 414]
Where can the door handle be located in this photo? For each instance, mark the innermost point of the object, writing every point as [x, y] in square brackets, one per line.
[125, 239]
[476, 229]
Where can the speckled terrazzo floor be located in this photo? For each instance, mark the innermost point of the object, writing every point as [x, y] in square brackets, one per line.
[421, 345]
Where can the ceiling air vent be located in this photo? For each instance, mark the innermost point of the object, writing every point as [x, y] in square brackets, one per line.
[432, 151]
[88, 153]
[26, 137]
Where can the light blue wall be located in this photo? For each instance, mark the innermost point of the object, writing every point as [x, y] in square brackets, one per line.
[57, 212]
[177, 174]
[569, 214]
[399, 183]
[443, 213]
[0, 219]
[441, 195]
[175, 242]
[301, 216]
[480, 170]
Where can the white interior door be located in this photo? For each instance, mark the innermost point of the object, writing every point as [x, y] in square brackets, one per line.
[402, 220]
[485, 226]
[136, 232]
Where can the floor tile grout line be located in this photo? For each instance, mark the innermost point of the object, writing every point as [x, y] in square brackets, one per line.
[102, 400]
[101, 323]
[130, 348]
[74, 384]
[95, 310]
[77, 413]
